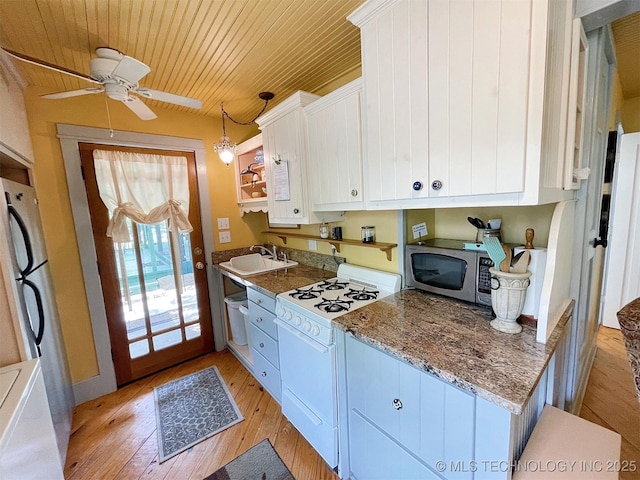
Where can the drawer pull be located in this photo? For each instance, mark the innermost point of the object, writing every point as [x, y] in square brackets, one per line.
[261, 345]
[258, 301]
[258, 320]
[397, 403]
[264, 374]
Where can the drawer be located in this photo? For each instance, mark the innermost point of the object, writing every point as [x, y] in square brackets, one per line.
[263, 343]
[261, 299]
[267, 375]
[263, 319]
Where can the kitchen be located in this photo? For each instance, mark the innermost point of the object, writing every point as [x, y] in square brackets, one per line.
[245, 230]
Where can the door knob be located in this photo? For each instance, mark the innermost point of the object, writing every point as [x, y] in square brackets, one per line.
[199, 265]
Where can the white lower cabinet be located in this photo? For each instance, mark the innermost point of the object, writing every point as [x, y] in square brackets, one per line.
[263, 336]
[407, 424]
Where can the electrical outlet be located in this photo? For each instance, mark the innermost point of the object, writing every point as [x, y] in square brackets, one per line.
[313, 245]
[223, 224]
[333, 249]
[224, 237]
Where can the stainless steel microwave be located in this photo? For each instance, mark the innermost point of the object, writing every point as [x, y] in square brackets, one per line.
[445, 267]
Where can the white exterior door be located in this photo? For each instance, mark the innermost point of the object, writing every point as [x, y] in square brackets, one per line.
[622, 283]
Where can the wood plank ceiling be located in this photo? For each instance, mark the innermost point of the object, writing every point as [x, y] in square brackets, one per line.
[626, 33]
[215, 50]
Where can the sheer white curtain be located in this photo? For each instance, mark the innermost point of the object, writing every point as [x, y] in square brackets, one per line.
[146, 188]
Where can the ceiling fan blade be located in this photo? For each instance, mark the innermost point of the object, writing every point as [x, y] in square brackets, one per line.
[73, 93]
[138, 107]
[169, 98]
[130, 69]
[50, 66]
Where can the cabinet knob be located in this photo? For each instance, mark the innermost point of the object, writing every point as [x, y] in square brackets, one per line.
[417, 185]
[296, 211]
[261, 345]
[263, 374]
[354, 193]
[397, 403]
[258, 301]
[436, 185]
[258, 320]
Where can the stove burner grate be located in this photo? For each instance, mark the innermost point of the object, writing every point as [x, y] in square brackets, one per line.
[306, 293]
[333, 285]
[364, 294]
[334, 305]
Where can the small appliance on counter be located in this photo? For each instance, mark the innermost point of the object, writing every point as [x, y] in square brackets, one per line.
[447, 268]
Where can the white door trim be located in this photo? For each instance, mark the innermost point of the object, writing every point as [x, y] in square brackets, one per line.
[70, 137]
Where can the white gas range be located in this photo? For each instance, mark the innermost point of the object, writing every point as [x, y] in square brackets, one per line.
[307, 349]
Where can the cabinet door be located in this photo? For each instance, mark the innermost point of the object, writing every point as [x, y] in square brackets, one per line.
[394, 65]
[375, 456]
[446, 426]
[286, 185]
[386, 391]
[335, 153]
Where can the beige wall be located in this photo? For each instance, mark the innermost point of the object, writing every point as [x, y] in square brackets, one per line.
[631, 115]
[50, 181]
[617, 99]
[452, 222]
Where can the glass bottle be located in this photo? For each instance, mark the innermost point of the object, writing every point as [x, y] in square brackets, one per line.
[368, 234]
[324, 230]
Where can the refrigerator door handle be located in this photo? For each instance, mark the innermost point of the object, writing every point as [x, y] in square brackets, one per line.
[41, 320]
[25, 236]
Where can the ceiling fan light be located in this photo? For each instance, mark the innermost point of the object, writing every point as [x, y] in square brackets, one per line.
[226, 150]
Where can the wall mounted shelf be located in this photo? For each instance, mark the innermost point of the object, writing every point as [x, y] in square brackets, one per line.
[384, 247]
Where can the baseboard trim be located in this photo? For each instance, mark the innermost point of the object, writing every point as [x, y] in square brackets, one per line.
[92, 388]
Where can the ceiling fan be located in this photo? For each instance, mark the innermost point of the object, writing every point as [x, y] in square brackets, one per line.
[118, 76]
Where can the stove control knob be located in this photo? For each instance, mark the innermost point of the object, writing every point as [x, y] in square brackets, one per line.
[307, 326]
[315, 330]
[286, 315]
[297, 320]
[280, 311]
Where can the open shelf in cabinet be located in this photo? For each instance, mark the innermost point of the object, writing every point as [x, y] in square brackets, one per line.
[384, 247]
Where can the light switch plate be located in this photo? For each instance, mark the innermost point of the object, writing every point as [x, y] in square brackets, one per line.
[224, 237]
[223, 224]
[313, 245]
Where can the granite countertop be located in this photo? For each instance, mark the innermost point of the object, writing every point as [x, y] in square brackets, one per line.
[454, 341]
[279, 281]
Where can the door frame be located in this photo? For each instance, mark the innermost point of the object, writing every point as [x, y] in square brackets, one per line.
[70, 137]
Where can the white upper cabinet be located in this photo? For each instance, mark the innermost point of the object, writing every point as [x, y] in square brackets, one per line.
[14, 129]
[251, 185]
[286, 163]
[335, 150]
[465, 101]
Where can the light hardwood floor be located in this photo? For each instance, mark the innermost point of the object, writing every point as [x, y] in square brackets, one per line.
[610, 399]
[115, 436]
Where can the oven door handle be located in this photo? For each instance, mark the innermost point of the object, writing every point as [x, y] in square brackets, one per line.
[312, 343]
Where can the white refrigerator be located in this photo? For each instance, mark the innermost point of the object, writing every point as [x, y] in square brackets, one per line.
[41, 331]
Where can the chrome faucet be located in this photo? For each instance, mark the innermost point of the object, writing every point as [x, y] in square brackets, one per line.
[263, 250]
[284, 256]
[275, 252]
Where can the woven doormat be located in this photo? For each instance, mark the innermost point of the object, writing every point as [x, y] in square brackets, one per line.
[191, 409]
[260, 462]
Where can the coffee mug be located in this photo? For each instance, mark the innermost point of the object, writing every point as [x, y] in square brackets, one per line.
[336, 233]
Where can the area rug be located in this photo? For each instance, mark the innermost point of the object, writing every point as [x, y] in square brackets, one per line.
[192, 408]
[260, 462]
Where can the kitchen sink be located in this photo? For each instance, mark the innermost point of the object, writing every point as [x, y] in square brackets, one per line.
[255, 263]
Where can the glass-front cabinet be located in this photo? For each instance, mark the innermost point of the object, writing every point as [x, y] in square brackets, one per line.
[251, 177]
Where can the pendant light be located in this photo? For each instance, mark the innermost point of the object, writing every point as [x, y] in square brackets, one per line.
[226, 149]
